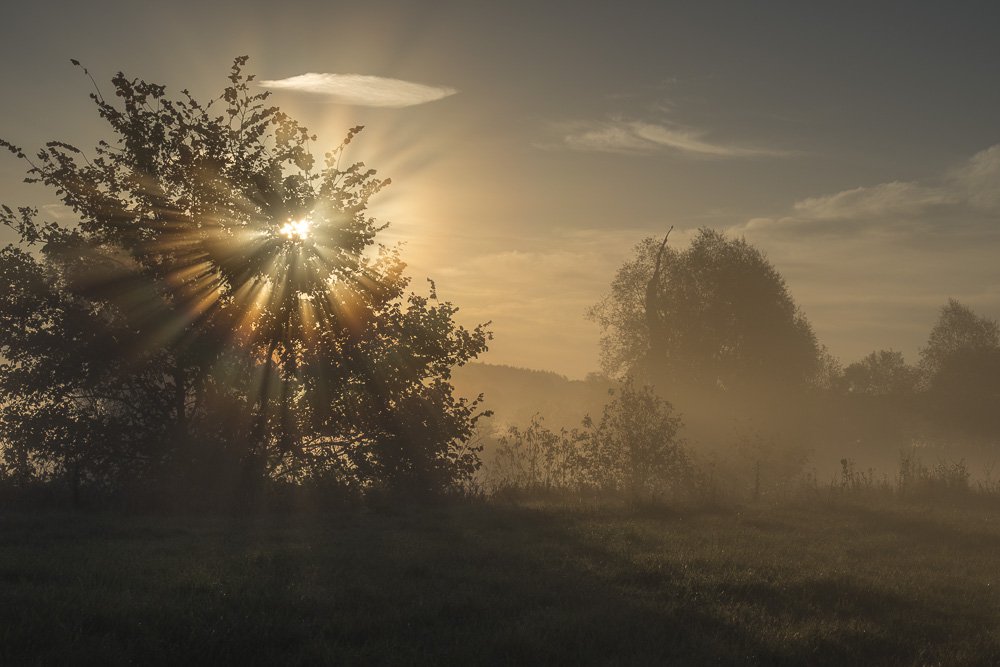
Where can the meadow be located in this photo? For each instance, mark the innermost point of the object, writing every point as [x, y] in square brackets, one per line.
[828, 580]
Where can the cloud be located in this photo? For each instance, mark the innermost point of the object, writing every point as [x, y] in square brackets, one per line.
[361, 89]
[605, 138]
[59, 212]
[978, 180]
[964, 199]
[629, 136]
[886, 199]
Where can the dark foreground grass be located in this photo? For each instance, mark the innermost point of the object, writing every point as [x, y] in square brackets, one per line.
[476, 583]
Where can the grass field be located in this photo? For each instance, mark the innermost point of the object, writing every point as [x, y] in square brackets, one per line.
[819, 583]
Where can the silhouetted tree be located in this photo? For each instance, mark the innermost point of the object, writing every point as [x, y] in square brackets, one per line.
[881, 373]
[962, 366]
[715, 317]
[220, 310]
[875, 405]
[958, 331]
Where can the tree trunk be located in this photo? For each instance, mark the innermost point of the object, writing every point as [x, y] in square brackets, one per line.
[255, 465]
[654, 317]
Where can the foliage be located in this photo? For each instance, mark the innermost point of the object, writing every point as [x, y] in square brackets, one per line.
[221, 309]
[914, 480]
[715, 330]
[949, 403]
[958, 331]
[635, 446]
[536, 458]
[881, 373]
[634, 449]
[962, 366]
[722, 317]
[944, 478]
[875, 402]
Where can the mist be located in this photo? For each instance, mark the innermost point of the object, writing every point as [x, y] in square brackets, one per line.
[478, 333]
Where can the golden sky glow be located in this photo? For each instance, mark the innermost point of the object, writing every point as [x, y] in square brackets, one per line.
[531, 147]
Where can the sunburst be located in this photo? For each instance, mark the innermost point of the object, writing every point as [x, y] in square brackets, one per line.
[296, 230]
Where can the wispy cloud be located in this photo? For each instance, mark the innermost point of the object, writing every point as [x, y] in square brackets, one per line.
[361, 89]
[59, 212]
[631, 136]
[965, 198]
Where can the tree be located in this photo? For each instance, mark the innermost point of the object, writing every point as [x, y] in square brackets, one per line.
[958, 331]
[221, 309]
[881, 373]
[714, 318]
[635, 448]
[961, 363]
[875, 403]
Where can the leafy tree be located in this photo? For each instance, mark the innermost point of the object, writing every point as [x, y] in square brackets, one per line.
[716, 317]
[881, 373]
[962, 366]
[221, 309]
[875, 403]
[958, 331]
[635, 447]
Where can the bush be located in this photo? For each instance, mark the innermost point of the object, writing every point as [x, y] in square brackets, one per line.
[634, 449]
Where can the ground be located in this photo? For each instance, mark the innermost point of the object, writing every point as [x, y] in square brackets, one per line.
[822, 581]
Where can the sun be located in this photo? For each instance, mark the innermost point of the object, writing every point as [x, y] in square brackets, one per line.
[296, 230]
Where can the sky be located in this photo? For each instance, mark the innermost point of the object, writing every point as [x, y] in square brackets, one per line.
[532, 145]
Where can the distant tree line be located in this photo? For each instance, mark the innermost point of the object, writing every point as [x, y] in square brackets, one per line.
[715, 330]
[745, 392]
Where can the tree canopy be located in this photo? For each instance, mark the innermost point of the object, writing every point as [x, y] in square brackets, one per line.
[958, 331]
[961, 363]
[881, 373]
[715, 317]
[220, 311]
